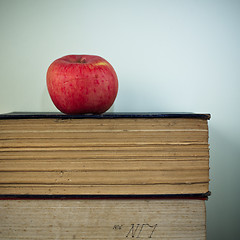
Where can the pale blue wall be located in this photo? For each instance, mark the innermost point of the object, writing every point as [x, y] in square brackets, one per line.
[170, 55]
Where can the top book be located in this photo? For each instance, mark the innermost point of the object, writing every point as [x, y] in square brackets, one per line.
[108, 154]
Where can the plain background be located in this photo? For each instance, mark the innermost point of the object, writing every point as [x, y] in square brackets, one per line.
[169, 55]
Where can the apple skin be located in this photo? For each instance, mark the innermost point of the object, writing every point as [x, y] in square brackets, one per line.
[81, 84]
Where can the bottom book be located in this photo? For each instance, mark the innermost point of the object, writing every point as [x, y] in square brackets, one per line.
[101, 219]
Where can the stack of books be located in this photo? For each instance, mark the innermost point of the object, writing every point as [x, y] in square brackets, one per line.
[110, 176]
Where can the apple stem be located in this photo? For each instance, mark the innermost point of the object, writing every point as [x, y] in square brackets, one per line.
[83, 60]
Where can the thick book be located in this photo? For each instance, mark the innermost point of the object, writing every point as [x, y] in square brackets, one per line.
[103, 219]
[112, 153]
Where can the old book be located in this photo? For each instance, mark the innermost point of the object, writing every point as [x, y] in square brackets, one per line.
[145, 153]
[103, 219]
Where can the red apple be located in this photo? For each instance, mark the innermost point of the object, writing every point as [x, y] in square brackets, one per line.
[79, 84]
